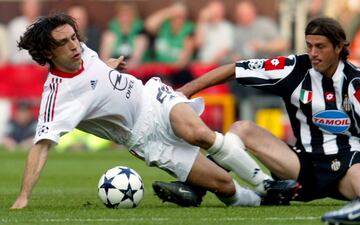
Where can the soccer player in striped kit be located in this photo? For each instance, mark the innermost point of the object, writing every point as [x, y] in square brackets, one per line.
[321, 91]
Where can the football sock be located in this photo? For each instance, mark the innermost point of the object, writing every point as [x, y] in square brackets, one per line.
[229, 152]
[242, 197]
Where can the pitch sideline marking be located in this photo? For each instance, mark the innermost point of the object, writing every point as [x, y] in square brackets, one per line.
[164, 219]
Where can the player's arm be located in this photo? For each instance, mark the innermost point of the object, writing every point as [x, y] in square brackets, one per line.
[35, 163]
[219, 75]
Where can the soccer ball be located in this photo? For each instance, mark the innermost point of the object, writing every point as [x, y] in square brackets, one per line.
[121, 187]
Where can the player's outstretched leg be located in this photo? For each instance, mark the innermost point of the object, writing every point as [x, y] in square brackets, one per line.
[349, 214]
[279, 192]
[229, 152]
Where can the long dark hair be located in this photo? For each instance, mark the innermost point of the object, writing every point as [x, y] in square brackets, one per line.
[331, 29]
[38, 40]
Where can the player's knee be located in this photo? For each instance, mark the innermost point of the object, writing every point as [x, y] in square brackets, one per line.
[244, 129]
[201, 136]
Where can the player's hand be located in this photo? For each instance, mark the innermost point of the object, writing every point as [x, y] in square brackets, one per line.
[20, 203]
[118, 63]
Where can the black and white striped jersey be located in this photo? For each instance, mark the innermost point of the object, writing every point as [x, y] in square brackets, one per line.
[324, 113]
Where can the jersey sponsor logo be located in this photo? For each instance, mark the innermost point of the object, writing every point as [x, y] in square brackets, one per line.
[305, 96]
[121, 82]
[275, 63]
[118, 81]
[332, 121]
[128, 92]
[330, 96]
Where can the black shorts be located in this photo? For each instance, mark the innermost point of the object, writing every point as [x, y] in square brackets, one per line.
[319, 175]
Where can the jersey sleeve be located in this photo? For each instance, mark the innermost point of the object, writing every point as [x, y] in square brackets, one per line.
[265, 74]
[59, 112]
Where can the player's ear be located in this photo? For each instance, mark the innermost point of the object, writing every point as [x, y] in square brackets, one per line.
[48, 54]
[339, 48]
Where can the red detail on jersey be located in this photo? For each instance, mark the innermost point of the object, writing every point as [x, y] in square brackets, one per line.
[357, 95]
[275, 63]
[46, 106]
[53, 107]
[330, 96]
[51, 100]
[63, 74]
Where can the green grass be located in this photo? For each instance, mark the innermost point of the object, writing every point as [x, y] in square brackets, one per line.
[67, 194]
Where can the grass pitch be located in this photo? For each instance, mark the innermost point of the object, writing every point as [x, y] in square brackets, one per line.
[67, 194]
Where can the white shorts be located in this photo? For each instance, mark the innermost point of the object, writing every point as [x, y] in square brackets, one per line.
[152, 137]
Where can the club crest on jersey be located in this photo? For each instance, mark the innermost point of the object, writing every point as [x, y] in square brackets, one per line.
[335, 165]
[275, 63]
[332, 121]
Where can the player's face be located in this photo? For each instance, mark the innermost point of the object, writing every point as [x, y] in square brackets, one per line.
[324, 57]
[67, 56]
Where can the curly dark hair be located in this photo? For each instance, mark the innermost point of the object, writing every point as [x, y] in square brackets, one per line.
[331, 29]
[38, 40]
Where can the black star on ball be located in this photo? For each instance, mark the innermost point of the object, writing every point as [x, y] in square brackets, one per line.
[107, 184]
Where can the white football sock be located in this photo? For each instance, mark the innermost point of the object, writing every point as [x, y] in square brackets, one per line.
[242, 197]
[229, 152]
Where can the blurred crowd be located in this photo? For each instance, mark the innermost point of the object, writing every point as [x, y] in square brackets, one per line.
[169, 42]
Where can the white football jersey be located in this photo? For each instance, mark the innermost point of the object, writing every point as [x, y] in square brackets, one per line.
[97, 99]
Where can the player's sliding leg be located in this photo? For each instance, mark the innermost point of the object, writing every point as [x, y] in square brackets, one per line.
[229, 152]
[207, 175]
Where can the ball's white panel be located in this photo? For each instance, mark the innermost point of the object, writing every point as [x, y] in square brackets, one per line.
[102, 195]
[114, 196]
[120, 181]
[112, 172]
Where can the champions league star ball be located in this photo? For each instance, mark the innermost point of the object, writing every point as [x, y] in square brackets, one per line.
[121, 187]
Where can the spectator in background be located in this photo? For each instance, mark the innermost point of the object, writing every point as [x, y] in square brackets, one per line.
[173, 41]
[316, 9]
[213, 34]
[173, 33]
[30, 11]
[4, 46]
[125, 36]
[91, 33]
[20, 130]
[256, 36]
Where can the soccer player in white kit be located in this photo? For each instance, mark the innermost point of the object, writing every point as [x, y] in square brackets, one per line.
[152, 121]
